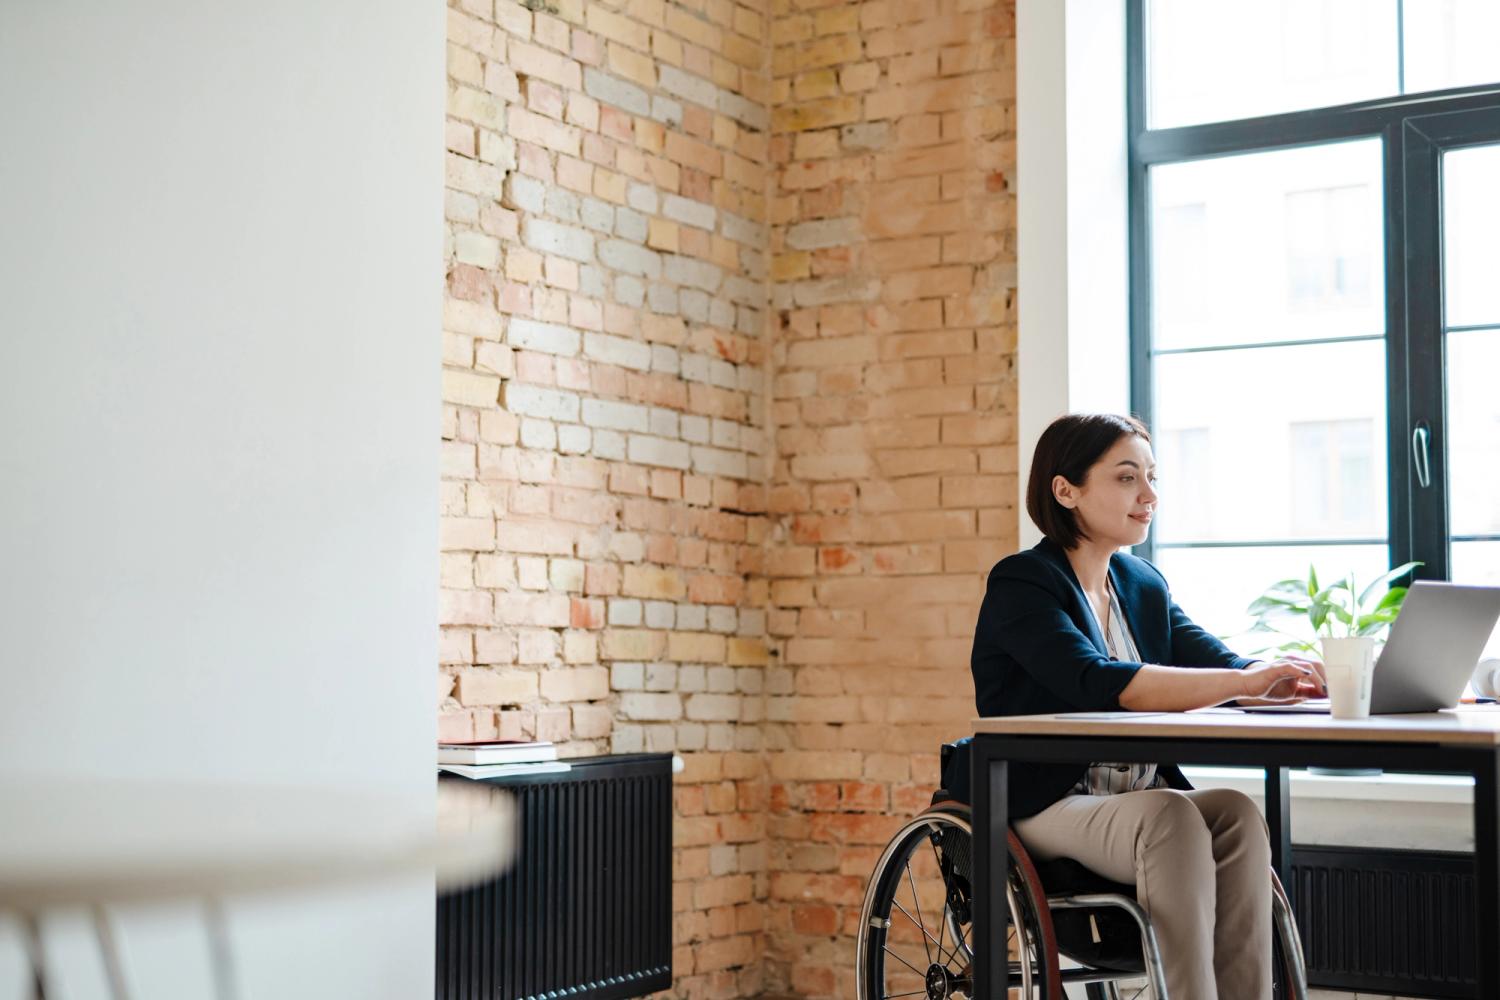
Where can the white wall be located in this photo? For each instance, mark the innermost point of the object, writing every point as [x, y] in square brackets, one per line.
[1073, 266]
[220, 279]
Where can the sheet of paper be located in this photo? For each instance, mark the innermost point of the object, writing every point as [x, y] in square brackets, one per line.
[1108, 715]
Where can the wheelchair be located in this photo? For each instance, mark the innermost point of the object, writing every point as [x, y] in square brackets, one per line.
[914, 937]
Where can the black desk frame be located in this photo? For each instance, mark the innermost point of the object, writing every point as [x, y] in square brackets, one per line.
[993, 753]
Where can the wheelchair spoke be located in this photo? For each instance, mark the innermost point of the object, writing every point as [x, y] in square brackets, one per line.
[904, 961]
[946, 957]
[943, 917]
[926, 934]
[918, 904]
[913, 993]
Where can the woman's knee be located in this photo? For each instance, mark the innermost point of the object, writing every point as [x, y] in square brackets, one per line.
[1233, 814]
[1226, 807]
[1174, 823]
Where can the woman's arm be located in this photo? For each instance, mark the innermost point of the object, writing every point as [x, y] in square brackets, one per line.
[1180, 689]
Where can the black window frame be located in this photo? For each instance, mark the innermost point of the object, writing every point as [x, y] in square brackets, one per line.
[1415, 130]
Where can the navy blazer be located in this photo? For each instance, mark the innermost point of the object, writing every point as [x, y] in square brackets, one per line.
[1038, 650]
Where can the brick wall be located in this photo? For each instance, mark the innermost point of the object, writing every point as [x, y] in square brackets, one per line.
[893, 487]
[604, 430]
[727, 430]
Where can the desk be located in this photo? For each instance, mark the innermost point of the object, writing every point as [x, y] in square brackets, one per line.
[1458, 741]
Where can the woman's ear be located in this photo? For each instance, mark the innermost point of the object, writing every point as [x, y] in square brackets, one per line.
[1064, 492]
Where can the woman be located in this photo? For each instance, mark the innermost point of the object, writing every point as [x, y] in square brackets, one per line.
[1074, 624]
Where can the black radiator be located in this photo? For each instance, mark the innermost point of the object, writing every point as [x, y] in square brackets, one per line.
[586, 908]
[1386, 921]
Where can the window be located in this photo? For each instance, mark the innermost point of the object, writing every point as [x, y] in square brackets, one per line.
[1333, 463]
[1181, 231]
[1190, 513]
[1328, 245]
[1315, 322]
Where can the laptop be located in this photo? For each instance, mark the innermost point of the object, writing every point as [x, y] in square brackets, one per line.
[1434, 644]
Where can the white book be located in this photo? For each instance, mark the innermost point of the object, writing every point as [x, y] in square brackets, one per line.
[504, 770]
[495, 753]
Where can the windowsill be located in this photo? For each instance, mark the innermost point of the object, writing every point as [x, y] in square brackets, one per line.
[1446, 788]
[1399, 811]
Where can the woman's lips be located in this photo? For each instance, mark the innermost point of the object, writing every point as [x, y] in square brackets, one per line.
[1143, 518]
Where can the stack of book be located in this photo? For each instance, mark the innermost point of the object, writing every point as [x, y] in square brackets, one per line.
[499, 759]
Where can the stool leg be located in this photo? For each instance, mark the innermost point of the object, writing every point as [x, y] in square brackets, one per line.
[219, 950]
[31, 940]
[109, 951]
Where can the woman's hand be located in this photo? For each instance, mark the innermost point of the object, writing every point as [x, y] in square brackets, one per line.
[1283, 681]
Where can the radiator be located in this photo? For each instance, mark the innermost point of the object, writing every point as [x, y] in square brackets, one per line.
[586, 909]
[1386, 921]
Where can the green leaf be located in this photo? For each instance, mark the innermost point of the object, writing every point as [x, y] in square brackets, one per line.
[1312, 580]
[1392, 599]
[1387, 577]
[1349, 613]
[1267, 604]
[1376, 620]
[1323, 600]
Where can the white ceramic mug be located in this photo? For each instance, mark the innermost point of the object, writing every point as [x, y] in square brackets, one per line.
[1486, 677]
[1349, 665]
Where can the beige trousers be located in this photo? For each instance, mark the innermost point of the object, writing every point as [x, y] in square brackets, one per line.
[1200, 863]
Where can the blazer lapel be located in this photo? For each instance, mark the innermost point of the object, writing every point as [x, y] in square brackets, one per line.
[1082, 611]
[1126, 596]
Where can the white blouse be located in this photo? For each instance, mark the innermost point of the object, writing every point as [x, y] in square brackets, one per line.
[1104, 778]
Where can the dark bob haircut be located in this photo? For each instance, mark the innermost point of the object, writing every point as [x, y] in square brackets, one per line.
[1069, 447]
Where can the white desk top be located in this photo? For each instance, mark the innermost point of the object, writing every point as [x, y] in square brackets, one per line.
[1468, 725]
[80, 843]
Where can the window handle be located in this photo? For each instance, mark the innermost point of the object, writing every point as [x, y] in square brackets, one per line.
[1419, 437]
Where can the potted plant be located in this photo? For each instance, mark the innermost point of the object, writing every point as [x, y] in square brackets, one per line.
[1347, 622]
[1344, 618]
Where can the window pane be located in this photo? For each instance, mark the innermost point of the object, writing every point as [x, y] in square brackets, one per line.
[1473, 433]
[1471, 227]
[1217, 61]
[1215, 586]
[1272, 442]
[1476, 563]
[1451, 43]
[1267, 247]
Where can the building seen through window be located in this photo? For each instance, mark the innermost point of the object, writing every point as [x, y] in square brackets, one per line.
[1320, 383]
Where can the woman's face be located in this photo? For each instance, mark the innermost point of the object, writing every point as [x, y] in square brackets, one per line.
[1118, 497]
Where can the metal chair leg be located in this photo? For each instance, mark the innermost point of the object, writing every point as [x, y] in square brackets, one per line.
[1291, 938]
[1150, 952]
[1281, 912]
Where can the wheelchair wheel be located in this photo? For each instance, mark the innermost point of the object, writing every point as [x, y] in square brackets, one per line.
[915, 929]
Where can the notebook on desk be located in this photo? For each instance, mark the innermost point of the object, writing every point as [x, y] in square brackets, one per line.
[1435, 642]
